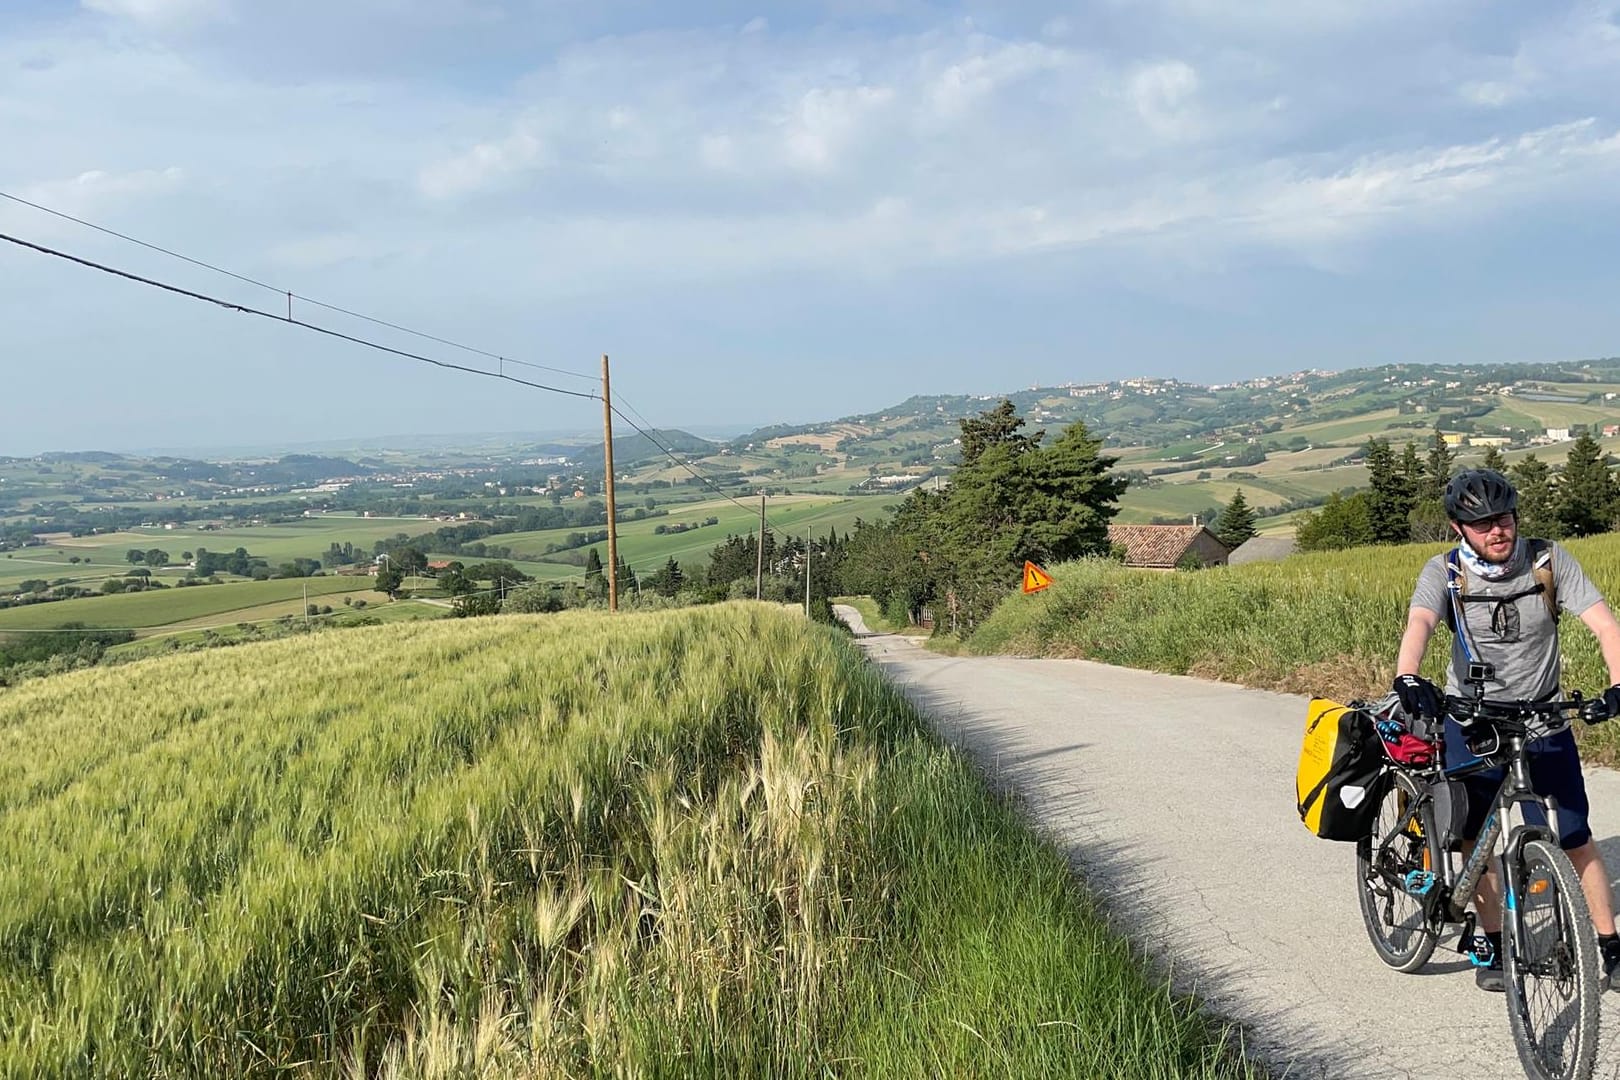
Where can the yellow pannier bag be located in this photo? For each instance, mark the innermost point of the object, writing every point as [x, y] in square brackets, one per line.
[1339, 766]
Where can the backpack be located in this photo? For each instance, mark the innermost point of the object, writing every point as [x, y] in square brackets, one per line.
[1340, 762]
[1541, 567]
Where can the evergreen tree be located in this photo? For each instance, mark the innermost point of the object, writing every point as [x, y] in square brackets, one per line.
[731, 559]
[1237, 521]
[667, 580]
[1494, 460]
[595, 583]
[1585, 497]
[1438, 469]
[1537, 515]
[1389, 500]
[994, 427]
[624, 578]
[1067, 498]
[1412, 470]
[959, 551]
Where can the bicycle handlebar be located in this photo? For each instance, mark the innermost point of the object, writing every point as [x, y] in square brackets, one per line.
[1519, 716]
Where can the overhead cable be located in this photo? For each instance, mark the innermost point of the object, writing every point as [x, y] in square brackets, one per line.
[289, 294]
[231, 305]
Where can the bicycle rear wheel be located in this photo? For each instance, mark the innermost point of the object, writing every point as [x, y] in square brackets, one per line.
[1402, 844]
[1551, 968]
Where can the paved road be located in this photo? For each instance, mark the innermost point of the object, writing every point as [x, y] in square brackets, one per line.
[1174, 796]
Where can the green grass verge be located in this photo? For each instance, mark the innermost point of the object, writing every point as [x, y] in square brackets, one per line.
[701, 842]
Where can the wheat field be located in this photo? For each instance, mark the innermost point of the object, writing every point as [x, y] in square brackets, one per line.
[704, 842]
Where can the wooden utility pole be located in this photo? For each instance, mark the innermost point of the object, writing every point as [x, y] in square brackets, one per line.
[612, 510]
[759, 570]
[809, 546]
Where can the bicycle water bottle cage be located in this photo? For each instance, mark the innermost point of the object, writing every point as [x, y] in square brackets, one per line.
[1419, 882]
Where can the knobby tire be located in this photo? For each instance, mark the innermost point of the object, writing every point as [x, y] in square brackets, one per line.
[1552, 970]
[1401, 933]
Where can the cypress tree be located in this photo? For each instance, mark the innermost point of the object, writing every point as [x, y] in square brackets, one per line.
[1438, 469]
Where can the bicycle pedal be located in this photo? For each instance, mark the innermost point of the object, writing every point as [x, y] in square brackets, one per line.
[1419, 882]
[1480, 952]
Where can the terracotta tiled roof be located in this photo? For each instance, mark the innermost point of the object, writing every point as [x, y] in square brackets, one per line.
[1153, 545]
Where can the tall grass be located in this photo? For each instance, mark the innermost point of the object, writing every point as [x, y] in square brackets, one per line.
[1326, 623]
[704, 842]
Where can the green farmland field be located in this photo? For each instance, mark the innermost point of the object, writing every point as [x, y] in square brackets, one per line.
[644, 549]
[709, 842]
[1525, 412]
[307, 538]
[148, 610]
[1354, 431]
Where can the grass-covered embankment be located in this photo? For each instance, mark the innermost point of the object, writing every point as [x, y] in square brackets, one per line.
[1326, 624]
[702, 842]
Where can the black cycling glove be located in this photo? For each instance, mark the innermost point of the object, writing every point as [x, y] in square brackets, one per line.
[1611, 700]
[1420, 697]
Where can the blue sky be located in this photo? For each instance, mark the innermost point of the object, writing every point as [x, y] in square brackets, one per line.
[786, 213]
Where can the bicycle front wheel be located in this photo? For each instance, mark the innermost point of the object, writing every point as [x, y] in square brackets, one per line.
[1551, 967]
[1395, 868]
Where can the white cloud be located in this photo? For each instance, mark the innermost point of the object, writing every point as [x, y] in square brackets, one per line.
[1163, 94]
[828, 121]
[486, 165]
[780, 150]
[98, 192]
[982, 74]
[1424, 187]
[161, 13]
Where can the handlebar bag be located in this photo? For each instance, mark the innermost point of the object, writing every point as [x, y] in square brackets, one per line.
[1339, 765]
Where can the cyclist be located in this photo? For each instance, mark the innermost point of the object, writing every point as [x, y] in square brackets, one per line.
[1514, 631]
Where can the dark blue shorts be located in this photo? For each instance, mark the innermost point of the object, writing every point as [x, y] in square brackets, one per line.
[1555, 769]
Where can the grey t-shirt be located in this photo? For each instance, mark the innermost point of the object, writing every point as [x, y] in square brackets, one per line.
[1520, 638]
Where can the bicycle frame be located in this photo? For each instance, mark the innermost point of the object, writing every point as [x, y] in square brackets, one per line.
[1515, 789]
[1449, 902]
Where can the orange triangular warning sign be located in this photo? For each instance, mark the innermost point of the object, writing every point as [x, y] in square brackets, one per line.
[1035, 579]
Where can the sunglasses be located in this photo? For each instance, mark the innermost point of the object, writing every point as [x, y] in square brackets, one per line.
[1500, 521]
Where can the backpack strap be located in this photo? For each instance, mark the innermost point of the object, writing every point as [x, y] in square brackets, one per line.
[1456, 586]
[1542, 567]
[1457, 590]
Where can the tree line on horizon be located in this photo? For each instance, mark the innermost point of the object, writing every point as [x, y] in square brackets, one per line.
[1403, 502]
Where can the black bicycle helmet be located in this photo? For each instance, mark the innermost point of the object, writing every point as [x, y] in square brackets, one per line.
[1477, 494]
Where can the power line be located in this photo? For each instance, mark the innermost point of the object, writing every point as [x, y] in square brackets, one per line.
[689, 467]
[290, 295]
[244, 309]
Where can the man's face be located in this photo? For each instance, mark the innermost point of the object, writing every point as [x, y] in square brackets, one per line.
[1493, 538]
